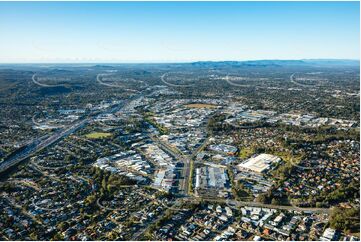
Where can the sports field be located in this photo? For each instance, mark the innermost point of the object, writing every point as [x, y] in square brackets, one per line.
[98, 135]
[200, 105]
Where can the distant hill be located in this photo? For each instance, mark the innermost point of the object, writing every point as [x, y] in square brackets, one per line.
[336, 62]
[103, 67]
[305, 62]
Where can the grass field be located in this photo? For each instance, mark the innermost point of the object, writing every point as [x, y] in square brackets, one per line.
[246, 152]
[98, 135]
[200, 105]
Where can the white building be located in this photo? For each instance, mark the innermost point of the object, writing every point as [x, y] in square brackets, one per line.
[260, 163]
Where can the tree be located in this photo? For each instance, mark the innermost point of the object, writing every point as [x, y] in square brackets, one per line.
[262, 198]
[90, 200]
[345, 219]
[33, 236]
[62, 226]
[275, 201]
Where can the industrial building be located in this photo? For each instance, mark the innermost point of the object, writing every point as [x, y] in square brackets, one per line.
[260, 163]
[211, 181]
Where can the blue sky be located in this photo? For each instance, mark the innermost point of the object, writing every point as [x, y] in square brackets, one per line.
[177, 31]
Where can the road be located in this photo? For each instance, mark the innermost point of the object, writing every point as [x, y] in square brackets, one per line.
[189, 167]
[45, 141]
[173, 85]
[142, 231]
[41, 84]
[296, 83]
[113, 85]
[185, 159]
[235, 84]
[39, 144]
[237, 204]
[230, 203]
[186, 173]
[189, 160]
[178, 155]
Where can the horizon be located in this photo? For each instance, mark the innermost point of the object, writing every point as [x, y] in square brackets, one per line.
[177, 32]
[179, 62]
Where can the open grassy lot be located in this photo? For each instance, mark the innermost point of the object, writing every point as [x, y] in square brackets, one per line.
[98, 135]
[200, 105]
[246, 152]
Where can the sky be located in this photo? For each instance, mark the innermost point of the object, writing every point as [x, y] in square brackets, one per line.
[177, 31]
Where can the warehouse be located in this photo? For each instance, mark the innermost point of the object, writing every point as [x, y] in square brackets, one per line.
[260, 163]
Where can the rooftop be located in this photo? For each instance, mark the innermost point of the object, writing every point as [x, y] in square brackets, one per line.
[260, 163]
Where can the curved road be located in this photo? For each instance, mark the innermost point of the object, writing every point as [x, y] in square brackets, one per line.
[173, 85]
[43, 85]
[112, 85]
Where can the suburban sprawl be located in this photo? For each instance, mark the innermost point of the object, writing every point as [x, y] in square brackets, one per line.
[234, 151]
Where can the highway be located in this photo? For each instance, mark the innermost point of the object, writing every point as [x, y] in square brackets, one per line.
[173, 85]
[38, 145]
[113, 85]
[41, 84]
[45, 141]
[235, 84]
[296, 83]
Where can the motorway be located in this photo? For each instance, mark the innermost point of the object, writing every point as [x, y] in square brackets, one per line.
[296, 83]
[173, 85]
[113, 85]
[38, 144]
[41, 84]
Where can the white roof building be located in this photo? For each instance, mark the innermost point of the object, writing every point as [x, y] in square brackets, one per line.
[260, 163]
